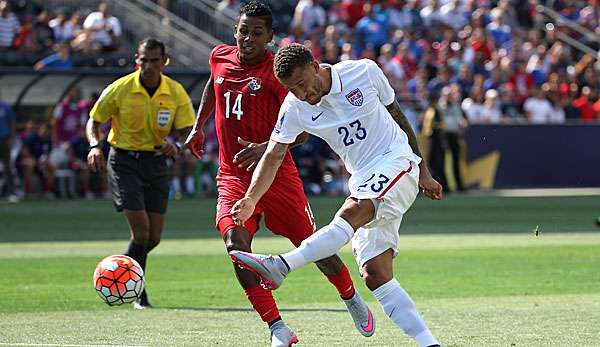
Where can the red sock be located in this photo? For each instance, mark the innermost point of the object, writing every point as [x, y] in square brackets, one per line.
[263, 302]
[343, 283]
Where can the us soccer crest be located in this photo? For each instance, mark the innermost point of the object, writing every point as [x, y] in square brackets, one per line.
[255, 84]
[355, 97]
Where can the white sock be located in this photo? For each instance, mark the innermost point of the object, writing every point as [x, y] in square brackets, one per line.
[322, 244]
[402, 310]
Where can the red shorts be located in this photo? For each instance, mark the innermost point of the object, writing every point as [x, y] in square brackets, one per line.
[284, 206]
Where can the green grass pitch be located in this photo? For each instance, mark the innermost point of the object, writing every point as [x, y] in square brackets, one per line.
[473, 264]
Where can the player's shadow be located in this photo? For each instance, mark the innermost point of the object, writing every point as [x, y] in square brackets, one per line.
[242, 309]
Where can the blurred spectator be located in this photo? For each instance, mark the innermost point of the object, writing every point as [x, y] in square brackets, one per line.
[398, 18]
[68, 117]
[455, 122]
[521, 83]
[557, 113]
[473, 107]
[42, 36]
[310, 16]
[537, 108]
[7, 135]
[509, 14]
[296, 35]
[431, 14]
[352, 11]
[452, 15]
[348, 52]
[61, 60]
[23, 40]
[372, 30]
[406, 60]
[33, 160]
[501, 32]
[589, 16]
[510, 110]
[491, 112]
[585, 105]
[104, 29]
[390, 66]
[231, 6]
[442, 79]
[495, 81]
[331, 54]
[9, 26]
[64, 29]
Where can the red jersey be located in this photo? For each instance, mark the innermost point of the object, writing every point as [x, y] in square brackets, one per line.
[248, 98]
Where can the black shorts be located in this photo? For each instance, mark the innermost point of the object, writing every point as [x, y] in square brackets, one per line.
[138, 180]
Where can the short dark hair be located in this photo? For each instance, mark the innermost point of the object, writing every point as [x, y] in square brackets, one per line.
[258, 9]
[289, 58]
[152, 43]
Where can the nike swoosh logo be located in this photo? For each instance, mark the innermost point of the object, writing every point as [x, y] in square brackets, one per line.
[369, 327]
[314, 118]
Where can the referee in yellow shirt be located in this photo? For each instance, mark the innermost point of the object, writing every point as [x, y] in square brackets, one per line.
[143, 106]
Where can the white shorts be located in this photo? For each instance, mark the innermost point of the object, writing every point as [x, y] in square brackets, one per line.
[396, 185]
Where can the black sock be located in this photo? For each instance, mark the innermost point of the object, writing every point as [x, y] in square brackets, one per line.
[274, 321]
[137, 252]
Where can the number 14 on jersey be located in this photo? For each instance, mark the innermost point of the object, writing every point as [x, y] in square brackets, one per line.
[236, 108]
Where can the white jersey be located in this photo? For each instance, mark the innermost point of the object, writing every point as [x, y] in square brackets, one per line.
[352, 118]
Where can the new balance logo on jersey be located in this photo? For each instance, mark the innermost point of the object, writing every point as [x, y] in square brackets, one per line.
[220, 79]
[314, 118]
[355, 97]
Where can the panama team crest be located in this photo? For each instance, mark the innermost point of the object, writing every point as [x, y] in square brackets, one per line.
[255, 84]
[355, 97]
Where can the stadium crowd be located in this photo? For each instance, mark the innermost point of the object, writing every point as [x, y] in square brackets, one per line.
[59, 38]
[452, 63]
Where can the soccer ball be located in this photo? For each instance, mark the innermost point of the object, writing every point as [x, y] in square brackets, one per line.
[118, 279]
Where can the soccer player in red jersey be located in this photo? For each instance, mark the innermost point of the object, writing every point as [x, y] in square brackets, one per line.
[246, 96]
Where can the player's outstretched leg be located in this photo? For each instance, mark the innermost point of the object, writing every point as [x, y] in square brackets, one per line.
[322, 244]
[282, 335]
[270, 269]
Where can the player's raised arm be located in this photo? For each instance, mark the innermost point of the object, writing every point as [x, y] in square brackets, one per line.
[195, 140]
[262, 178]
[429, 186]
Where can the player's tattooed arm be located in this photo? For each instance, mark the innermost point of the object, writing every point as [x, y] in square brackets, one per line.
[400, 118]
[429, 186]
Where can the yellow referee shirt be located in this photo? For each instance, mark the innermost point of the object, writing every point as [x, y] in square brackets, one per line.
[141, 122]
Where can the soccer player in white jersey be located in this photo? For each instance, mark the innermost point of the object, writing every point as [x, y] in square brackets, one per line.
[352, 106]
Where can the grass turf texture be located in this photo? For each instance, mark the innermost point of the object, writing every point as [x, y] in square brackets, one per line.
[484, 279]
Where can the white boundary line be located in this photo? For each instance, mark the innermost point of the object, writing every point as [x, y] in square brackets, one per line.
[548, 192]
[59, 345]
